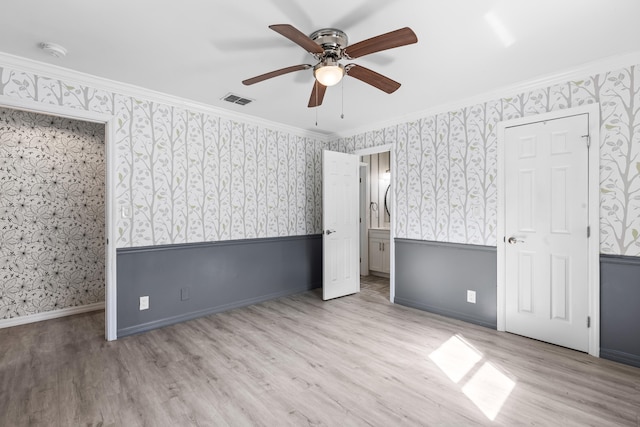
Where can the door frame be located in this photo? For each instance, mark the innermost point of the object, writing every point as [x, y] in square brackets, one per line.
[392, 162]
[593, 243]
[110, 215]
[365, 200]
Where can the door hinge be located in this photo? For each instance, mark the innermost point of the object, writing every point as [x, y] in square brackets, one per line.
[588, 321]
[588, 139]
[588, 231]
[360, 220]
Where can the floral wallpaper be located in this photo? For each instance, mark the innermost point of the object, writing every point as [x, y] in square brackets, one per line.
[445, 164]
[185, 176]
[52, 221]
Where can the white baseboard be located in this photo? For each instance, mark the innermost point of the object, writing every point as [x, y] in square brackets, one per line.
[379, 274]
[48, 315]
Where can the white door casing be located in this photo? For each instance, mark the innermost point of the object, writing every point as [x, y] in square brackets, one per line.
[548, 278]
[381, 149]
[110, 214]
[546, 230]
[364, 219]
[340, 214]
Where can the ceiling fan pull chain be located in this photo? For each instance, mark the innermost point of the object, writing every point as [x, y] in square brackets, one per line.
[316, 92]
[342, 87]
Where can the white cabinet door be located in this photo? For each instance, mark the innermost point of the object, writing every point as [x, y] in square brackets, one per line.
[379, 255]
[375, 254]
[386, 256]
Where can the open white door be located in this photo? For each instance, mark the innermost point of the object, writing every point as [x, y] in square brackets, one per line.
[340, 213]
[546, 225]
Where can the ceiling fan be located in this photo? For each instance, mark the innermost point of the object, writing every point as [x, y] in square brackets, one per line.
[329, 46]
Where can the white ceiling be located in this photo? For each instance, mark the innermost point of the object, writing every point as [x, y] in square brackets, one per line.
[201, 50]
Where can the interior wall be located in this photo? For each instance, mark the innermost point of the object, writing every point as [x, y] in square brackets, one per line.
[445, 165]
[52, 196]
[196, 279]
[186, 176]
[445, 192]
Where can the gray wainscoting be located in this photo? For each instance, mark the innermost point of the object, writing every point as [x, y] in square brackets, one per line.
[191, 280]
[620, 309]
[435, 277]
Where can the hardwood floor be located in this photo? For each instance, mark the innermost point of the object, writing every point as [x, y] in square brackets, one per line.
[357, 360]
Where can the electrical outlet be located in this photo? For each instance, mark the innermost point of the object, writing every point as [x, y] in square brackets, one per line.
[125, 212]
[184, 294]
[471, 296]
[144, 303]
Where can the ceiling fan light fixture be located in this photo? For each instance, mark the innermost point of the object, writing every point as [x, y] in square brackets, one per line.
[329, 72]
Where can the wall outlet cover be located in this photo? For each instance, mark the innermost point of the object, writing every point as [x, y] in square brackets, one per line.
[184, 294]
[471, 297]
[144, 303]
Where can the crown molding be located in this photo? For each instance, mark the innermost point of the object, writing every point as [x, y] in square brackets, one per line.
[596, 67]
[57, 72]
[18, 63]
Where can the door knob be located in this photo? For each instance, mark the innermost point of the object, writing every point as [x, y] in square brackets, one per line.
[512, 240]
[330, 231]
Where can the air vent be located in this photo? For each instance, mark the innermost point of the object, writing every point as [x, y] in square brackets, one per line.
[235, 99]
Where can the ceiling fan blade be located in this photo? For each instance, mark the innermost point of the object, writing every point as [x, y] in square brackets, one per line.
[276, 74]
[317, 94]
[368, 76]
[299, 38]
[359, 14]
[294, 11]
[397, 38]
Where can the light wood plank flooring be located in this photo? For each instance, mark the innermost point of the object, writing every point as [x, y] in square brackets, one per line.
[353, 361]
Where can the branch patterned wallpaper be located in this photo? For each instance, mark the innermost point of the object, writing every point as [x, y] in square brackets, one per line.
[186, 176]
[52, 222]
[190, 176]
[445, 165]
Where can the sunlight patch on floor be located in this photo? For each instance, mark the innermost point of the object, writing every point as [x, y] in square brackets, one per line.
[455, 358]
[489, 389]
[481, 381]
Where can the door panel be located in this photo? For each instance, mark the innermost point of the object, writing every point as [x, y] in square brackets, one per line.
[340, 248]
[546, 199]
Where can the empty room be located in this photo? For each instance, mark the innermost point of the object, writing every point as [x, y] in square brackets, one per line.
[285, 213]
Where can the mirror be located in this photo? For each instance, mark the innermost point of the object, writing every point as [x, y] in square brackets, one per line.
[387, 202]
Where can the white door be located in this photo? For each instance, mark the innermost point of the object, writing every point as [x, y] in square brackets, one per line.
[340, 238]
[546, 223]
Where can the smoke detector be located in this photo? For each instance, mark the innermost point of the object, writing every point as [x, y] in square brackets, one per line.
[53, 49]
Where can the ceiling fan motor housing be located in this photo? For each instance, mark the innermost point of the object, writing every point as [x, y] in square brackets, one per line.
[332, 40]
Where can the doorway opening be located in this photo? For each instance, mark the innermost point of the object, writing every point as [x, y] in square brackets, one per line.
[376, 218]
[66, 201]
